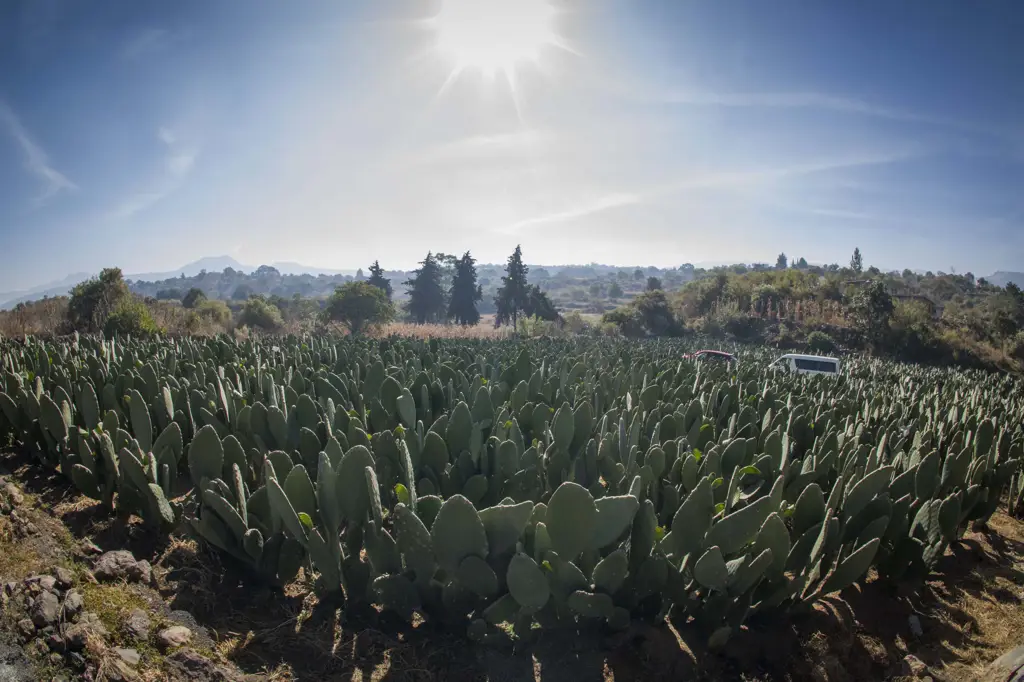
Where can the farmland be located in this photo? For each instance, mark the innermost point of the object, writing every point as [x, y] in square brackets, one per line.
[501, 494]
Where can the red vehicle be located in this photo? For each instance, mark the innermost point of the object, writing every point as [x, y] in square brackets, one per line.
[711, 355]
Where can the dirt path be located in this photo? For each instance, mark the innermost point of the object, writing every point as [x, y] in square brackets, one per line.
[971, 611]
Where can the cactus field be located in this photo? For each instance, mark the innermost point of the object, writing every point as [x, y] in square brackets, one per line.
[500, 487]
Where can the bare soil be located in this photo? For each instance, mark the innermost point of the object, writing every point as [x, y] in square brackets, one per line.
[970, 612]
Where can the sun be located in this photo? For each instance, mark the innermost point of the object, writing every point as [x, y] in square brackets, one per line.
[494, 36]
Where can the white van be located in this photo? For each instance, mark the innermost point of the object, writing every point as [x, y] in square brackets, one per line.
[807, 364]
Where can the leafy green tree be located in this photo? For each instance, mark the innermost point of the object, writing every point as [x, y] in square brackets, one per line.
[426, 294]
[193, 298]
[801, 264]
[781, 263]
[465, 292]
[857, 261]
[872, 308]
[514, 292]
[260, 313]
[130, 317]
[539, 305]
[242, 292]
[614, 290]
[359, 305]
[378, 279]
[93, 301]
[638, 274]
[653, 284]
[648, 313]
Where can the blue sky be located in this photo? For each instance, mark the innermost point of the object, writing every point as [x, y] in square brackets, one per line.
[146, 134]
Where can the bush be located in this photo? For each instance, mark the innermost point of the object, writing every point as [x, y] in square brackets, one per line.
[1016, 349]
[261, 314]
[820, 342]
[216, 312]
[627, 320]
[93, 301]
[359, 305]
[193, 298]
[131, 317]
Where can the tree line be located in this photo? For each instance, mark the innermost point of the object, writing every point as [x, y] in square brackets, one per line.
[443, 289]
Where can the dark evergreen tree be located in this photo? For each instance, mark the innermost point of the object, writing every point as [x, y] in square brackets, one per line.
[781, 263]
[514, 293]
[857, 261]
[465, 292]
[378, 279]
[539, 305]
[426, 295]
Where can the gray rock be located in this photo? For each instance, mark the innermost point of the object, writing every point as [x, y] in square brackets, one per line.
[121, 565]
[65, 578]
[48, 583]
[137, 625]
[173, 637]
[915, 626]
[55, 642]
[130, 656]
[186, 664]
[14, 665]
[73, 604]
[26, 627]
[1007, 668]
[45, 609]
[88, 627]
[13, 494]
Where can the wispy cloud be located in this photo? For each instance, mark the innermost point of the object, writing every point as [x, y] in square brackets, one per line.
[580, 210]
[179, 160]
[827, 102]
[481, 147]
[37, 162]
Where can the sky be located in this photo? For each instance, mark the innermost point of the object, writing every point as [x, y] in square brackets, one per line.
[147, 134]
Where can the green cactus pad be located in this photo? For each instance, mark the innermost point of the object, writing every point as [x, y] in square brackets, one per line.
[527, 583]
[571, 519]
[457, 533]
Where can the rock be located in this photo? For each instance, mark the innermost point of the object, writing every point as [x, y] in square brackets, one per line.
[14, 665]
[14, 495]
[89, 548]
[26, 627]
[48, 583]
[130, 656]
[174, 636]
[914, 666]
[10, 588]
[137, 625]
[1007, 668]
[73, 604]
[55, 642]
[65, 578]
[116, 670]
[915, 626]
[45, 609]
[186, 664]
[121, 565]
[87, 628]
[56, 658]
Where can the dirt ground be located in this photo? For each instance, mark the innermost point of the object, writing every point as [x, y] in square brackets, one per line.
[971, 611]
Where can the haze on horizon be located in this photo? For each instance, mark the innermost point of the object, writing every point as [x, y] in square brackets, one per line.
[147, 134]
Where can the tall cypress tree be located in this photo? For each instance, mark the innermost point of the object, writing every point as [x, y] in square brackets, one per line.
[426, 295]
[465, 292]
[378, 279]
[514, 294]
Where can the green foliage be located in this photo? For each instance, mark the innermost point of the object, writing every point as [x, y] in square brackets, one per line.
[872, 307]
[614, 290]
[820, 342]
[857, 261]
[193, 298]
[258, 313]
[426, 293]
[465, 292]
[515, 293]
[647, 314]
[359, 305]
[549, 483]
[216, 312]
[130, 317]
[94, 300]
[781, 263]
[654, 284]
[378, 279]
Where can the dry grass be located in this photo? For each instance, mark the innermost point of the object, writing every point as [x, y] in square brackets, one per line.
[484, 330]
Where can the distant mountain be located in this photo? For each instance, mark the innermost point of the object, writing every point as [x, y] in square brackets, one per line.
[289, 268]
[210, 264]
[1002, 278]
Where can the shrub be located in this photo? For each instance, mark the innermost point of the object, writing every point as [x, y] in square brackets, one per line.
[95, 299]
[820, 342]
[216, 312]
[627, 320]
[1016, 349]
[131, 317]
[261, 314]
[359, 305]
[193, 298]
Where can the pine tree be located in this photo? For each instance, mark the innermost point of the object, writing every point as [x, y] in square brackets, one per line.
[514, 293]
[426, 295]
[378, 279]
[857, 261]
[781, 263]
[464, 292]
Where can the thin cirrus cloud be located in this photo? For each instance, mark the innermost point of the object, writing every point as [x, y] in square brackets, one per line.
[179, 160]
[37, 162]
